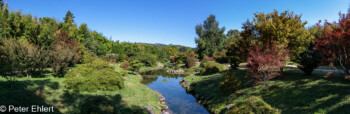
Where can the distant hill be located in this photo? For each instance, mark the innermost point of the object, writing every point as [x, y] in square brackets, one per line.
[160, 46]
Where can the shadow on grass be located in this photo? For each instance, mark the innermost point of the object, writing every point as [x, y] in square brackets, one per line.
[27, 93]
[100, 104]
[48, 92]
[295, 93]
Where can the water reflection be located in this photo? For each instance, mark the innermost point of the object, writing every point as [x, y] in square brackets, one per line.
[177, 99]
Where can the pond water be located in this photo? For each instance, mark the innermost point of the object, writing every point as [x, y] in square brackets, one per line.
[176, 97]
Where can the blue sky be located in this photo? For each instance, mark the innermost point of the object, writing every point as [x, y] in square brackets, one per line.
[171, 21]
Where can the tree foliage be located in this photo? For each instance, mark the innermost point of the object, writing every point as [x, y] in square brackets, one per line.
[334, 41]
[309, 60]
[263, 64]
[65, 53]
[285, 29]
[69, 18]
[211, 37]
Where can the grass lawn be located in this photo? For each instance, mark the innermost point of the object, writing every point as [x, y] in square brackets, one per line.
[50, 91]
[295, 93]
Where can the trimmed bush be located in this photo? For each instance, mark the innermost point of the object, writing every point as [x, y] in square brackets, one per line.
[210, 67]
[95, 76]
[253, 105]
[230, 82]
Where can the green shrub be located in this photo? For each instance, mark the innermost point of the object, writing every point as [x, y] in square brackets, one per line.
[145, 58]
[94, 76]
[210, 67]
[309, 60]
[253, 105]
[87, 57]
[135, 65]
[230, 82]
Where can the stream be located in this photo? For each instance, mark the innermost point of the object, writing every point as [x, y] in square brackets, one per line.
[176, 97]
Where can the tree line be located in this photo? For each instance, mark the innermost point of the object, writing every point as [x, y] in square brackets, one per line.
[29, 45]
[272, 39]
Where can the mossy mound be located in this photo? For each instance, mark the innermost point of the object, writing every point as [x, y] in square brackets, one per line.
[253, 105]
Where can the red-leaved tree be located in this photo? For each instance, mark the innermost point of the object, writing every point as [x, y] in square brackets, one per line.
[65, 53]
[264, 63]
[334, 41]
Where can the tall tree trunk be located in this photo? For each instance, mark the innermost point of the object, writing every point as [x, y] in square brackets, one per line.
[281, 69]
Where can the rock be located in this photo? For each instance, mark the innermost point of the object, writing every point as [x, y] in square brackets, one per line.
[347, 77]
[165, 112]
[161, 98]
[183, 83]
[149, 109]
[165, 108]
[162, 102]
[229, 106]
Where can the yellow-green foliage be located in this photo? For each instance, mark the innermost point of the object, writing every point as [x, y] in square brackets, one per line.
[210, 67]
[94, 76]
[87, 57]
[253, 105]
[123, 72]
[230, 82]
[189, 71]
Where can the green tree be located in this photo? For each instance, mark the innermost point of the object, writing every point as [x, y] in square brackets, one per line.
[86, 38]
[211, 37]
[1, 4]
[5, 28]
[69, 18]
[48, 28]
[283, 29]
[170, 51]
[237, 47]
[309, 59]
